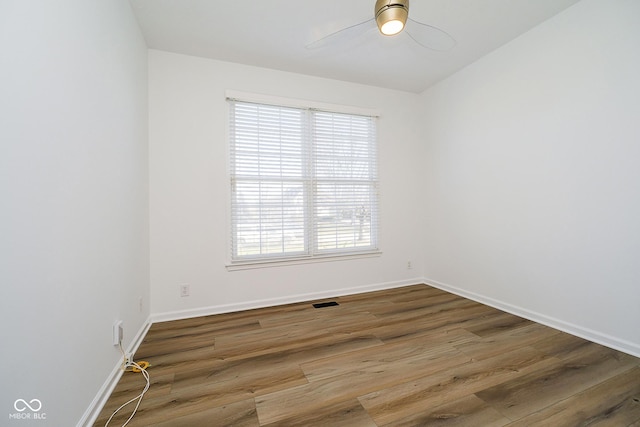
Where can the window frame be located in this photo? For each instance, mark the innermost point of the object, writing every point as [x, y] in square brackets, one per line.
[266, 260]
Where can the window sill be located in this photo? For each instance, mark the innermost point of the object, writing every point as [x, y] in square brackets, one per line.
[253, 264]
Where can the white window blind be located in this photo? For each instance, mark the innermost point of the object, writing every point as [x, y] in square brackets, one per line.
[303, 182]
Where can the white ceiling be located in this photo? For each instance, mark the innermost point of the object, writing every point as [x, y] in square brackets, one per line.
[274, 33]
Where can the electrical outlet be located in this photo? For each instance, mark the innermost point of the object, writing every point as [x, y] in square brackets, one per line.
[118, 332]
[409, 265]
[185, 290]
[140, 304]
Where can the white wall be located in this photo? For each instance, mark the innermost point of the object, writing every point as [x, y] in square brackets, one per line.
[189, 192]
[74, 197]
[532, 190]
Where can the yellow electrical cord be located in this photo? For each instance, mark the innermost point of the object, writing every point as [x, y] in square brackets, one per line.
[143, 365]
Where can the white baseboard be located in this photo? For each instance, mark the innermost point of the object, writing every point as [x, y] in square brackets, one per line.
[579, 331]
[270, 302]
[93, 411]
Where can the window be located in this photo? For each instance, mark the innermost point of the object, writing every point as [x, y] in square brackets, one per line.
[303, 182]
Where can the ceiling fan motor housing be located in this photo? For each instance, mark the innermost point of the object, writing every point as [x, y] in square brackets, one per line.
[391, 10]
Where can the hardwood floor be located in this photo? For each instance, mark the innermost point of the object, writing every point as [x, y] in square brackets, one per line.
[412, 356]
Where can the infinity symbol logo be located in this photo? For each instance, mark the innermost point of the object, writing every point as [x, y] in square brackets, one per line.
[22, 405]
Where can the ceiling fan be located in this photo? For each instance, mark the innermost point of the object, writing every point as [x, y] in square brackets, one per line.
[392, 17]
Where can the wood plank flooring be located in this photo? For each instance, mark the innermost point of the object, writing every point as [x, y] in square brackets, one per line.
[411, 356]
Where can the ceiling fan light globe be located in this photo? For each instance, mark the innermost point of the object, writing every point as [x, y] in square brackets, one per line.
[391, 28]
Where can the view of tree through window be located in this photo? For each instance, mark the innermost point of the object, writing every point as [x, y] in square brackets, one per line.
[303, 182]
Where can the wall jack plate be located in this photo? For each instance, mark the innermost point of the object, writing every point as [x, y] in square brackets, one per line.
[118, 332]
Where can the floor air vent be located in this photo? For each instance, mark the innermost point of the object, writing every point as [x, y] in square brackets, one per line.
[325, 304]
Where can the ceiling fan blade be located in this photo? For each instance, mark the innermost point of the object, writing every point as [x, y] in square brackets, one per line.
[429, 36]
[350, 32]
